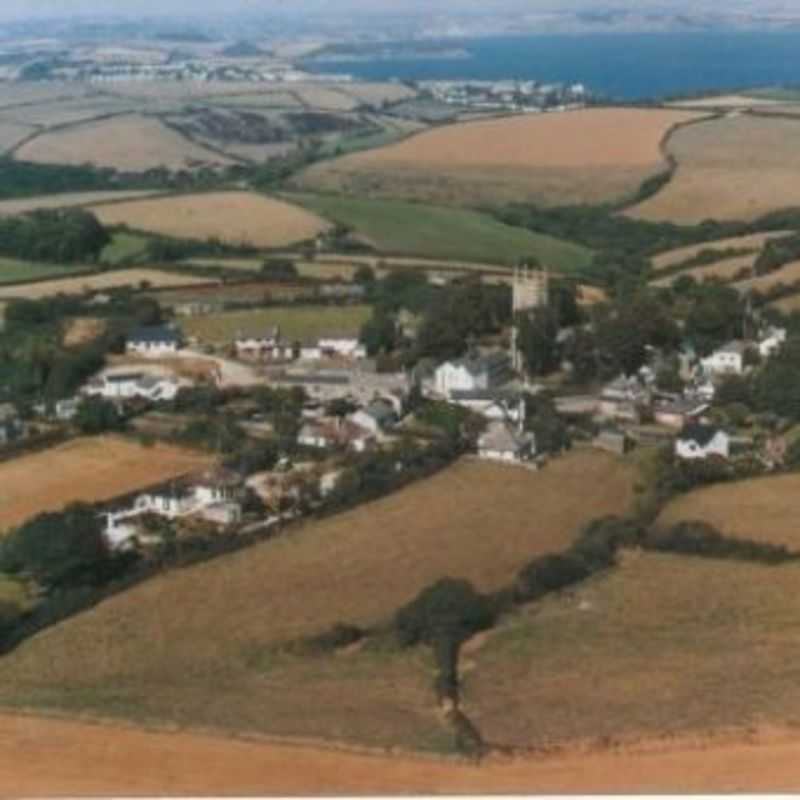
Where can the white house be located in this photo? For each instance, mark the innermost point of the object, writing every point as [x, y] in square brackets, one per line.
[269, 346]
[154, 340]
[503, 442]
[130, 385]
[473, 373]
[345, 346]
[770, 341]
[727, 360]
[376, 417]
[327, 433]
[494, 405]
[701, 441]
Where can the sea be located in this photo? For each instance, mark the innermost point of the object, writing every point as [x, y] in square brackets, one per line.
[627, 67]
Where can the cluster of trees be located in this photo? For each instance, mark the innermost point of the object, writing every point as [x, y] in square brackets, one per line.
[68, 236]
[777, 253]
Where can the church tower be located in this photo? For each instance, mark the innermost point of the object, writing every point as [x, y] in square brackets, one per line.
[530, 290]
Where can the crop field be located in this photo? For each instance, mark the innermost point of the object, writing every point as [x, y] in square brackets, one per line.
[661, 646]
[68, 200]
[327, 98]
[538, 158]
[13, 270]
[763, 509]
[787, 305]
[377, 93]
[736, 168]
[66, 112]
[129, 142]
[22, 93]
[196, 646]
[398, 227]
[298, 322]
[92, 283]
[236, 217]
[754, 241]
[12, 133]
[90, 470]
[727, 101]
[788, 274]
[725, 270]
[260, 99]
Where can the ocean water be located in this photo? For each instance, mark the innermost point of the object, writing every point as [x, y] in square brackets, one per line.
[618, 66]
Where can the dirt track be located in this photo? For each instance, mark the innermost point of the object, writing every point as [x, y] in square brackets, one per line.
[47, 757]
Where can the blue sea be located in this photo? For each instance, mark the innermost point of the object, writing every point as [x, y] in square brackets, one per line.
[617, 66]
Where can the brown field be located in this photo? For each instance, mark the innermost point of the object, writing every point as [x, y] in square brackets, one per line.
[15, 94]
[69, 199]
[763, 509]
[787, 305]
[81, 330]
[129, 142]
[736, 168]
[787, 274]
[90, 470]
[263, 99]
[377, 93]
[326, 98]
[725, 270]
[66, 112]
[728, 101]
[237, 217]
[196, 646]
[542, 158]
[105, 280]
[662, 646]
[755, 241]
[46, 757]
[12, 133]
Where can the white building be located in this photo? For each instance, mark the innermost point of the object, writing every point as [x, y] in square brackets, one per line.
[472, 374]
[130, 385]
[345, 346]
[154, 340]
[492, 404]
[770, 341]
[701, 441]
[503, 442]
[727, 360]
[269, 346]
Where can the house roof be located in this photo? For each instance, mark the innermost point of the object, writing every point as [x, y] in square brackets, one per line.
[124, 377]
[380, 410]
[217, 477]
[155, 334]
[735, 346]
[8, 412]
[503, 438]
[488, 395]
[682, 405]
[476, 364]
[699, 433]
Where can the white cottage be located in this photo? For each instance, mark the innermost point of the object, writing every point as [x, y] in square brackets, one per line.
[502, 442]
[697, 441]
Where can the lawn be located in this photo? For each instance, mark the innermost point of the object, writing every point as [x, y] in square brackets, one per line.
[13, 270]
[124, 247]
[417, 229]
[301, 323]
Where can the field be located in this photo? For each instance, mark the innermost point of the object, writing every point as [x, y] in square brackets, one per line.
[415, 229]
[123, 247]
[68, 200]
[727, 101]
[736, 168]
[106, 280]
[12, 133]
[90, 470]
[13, 270]
[788, 274]
[236, 217]
[725, 270]
[537, 158]
[787, 305]
[763, 509]
[663, 646]
[130, 142]
[196, 646]
[296, 323]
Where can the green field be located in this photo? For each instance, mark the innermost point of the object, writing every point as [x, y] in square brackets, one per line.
[296, 323]
[13, 270]
[123, 248]
[415, 229]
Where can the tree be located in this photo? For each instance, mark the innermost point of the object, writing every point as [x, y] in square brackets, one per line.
[776, 386]
[97, 415]
[364, 275]
[379, 332]
[536, 339]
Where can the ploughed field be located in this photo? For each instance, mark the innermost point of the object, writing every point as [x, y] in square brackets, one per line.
[87, 470]
[236, 217]
[200, 646]
[587, 156]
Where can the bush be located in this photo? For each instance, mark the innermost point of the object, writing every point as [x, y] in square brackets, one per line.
[548, 574]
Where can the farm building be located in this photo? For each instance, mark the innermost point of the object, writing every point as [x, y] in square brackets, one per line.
[701, 441]
[770, 341]
[154, 340]
[473, 373]
[504, 442]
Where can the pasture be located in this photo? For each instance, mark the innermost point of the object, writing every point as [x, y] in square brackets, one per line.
[236, 217]
[535, 158]
[739, 167]
[13, 270]
[764, 509]
[129, 142]
[89, 470]
[300, 323]
[136, 278]
[196, 646]
[660, 647]
[416, 229]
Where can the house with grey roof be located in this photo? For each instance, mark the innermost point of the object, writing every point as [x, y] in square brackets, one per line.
[697, 441]
[505, 442]
[474, 372]
[154, 340]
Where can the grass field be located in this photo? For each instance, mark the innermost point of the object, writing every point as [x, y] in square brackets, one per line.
[763, 509]
[105, 280]
[12, 133]
[736, 168]
[90, 470]
[236, 217]
[398, 227]
[537, 158]
[67, 200]
[754, 241]
[123, 247]
[662, 646]
[13, 270]
[130, 142]
[193, 646]
[296, 323]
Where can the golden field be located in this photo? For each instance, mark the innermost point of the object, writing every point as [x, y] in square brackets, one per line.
[546, 158]
[725, 270]
[736, 168]
[89, 470]
[69, 200]
[236, 217]
[788, 274]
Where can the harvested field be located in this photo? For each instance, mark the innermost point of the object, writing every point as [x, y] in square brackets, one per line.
[129, 142]
[90, 470]
[377, 93]
[787, 305]
[755, 241]
[68, 200]
[266, 99]
[81, 330]
[725, 270]
[727, 101]
[764, 509]
[325, 98]
[537, 158]
[46, 757]
[196, 646]
[66, 112]
[105, 280]
[12, 133]
[663, 646]
[28, 92]
[736, 168]
[237, 217]
[296, 323]
[788, 274]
